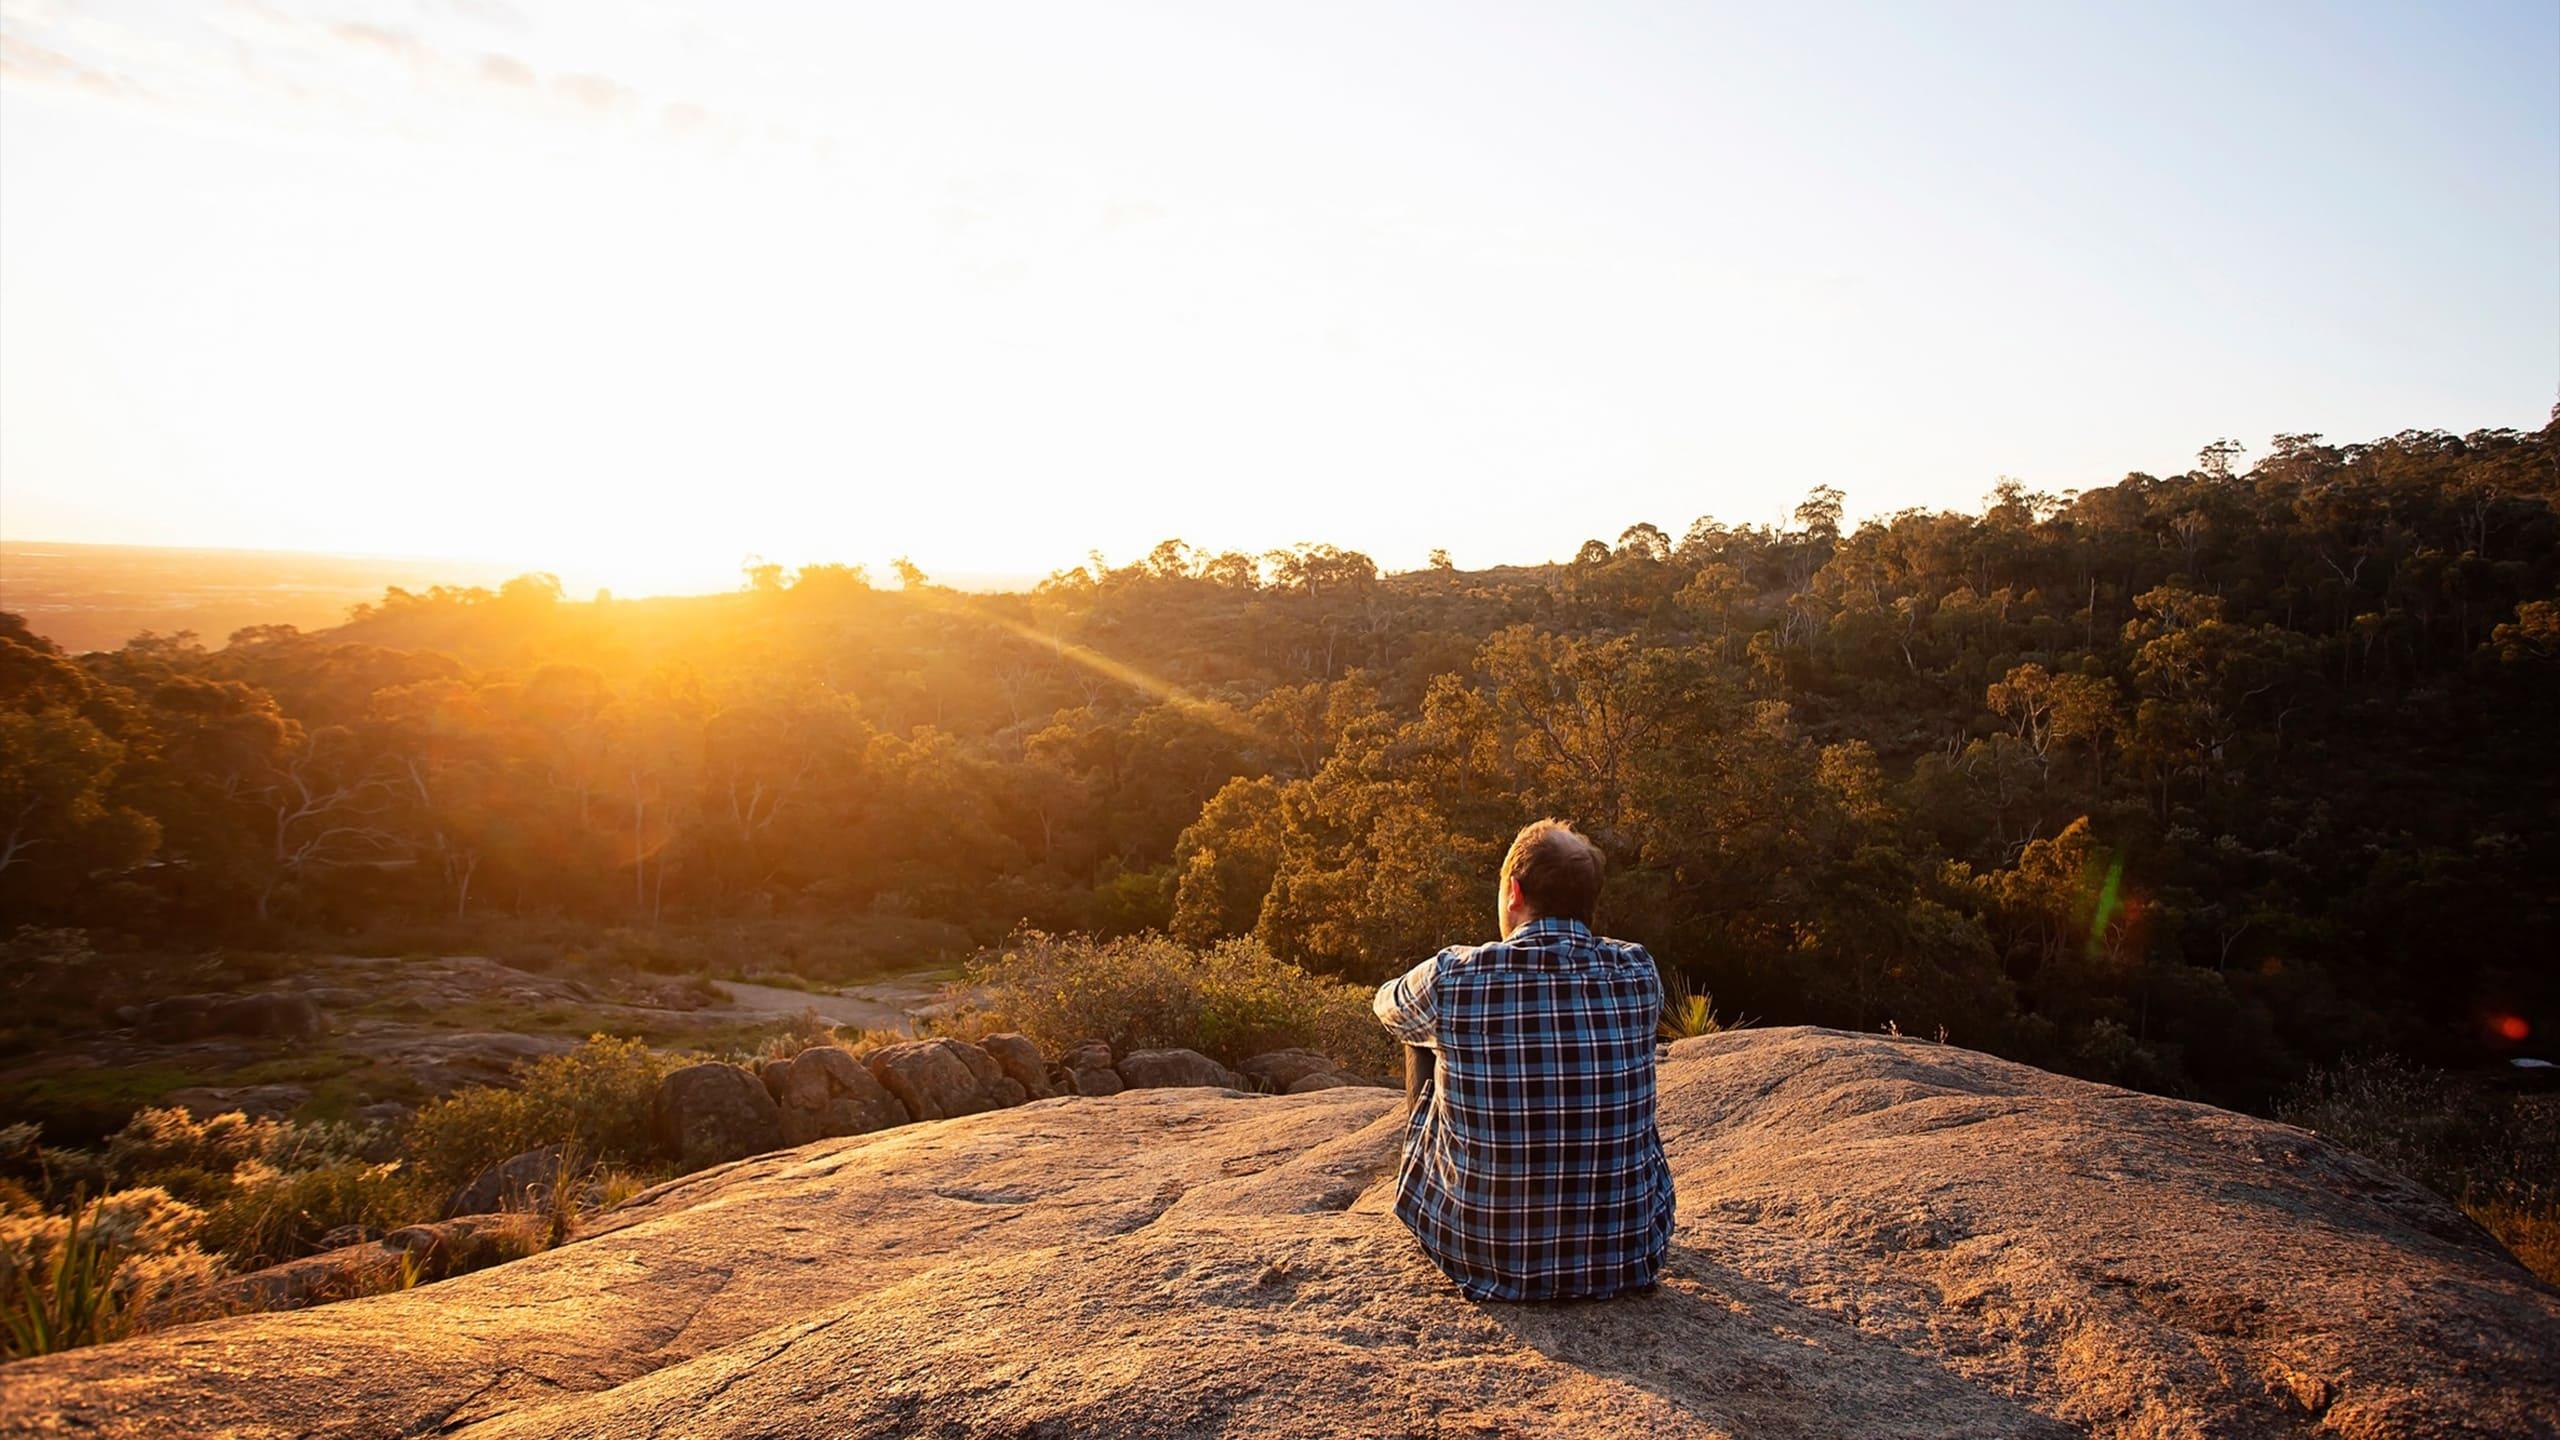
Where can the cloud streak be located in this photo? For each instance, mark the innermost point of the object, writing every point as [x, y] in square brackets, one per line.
[600, 93]
[25, 62]
[287, 66]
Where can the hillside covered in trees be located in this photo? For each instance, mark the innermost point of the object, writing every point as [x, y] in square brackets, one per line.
[2182, 782]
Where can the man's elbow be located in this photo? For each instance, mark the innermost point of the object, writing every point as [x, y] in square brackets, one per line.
[1383, 1005]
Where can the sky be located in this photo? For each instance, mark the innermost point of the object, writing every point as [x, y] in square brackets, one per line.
[633, 291]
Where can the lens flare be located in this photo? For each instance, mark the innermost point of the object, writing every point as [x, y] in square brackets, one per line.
[1216, 713]
[2511, 1027]
[2109, 896]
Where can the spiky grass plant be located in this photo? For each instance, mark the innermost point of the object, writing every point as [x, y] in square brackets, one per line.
[1687, 1013]
[62, 1300]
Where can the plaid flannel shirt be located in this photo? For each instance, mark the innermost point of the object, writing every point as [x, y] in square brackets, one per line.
[1532, 1169]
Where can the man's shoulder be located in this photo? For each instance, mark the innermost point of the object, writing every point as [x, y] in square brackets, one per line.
[1624, 949]
[1532, 948]
[1460, 957]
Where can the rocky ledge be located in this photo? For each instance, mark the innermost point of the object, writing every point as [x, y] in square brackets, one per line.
[1878, 1237]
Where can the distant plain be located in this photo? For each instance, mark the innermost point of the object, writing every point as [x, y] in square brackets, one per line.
[96, 597]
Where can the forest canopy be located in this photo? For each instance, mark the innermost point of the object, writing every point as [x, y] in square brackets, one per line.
[2185, 782]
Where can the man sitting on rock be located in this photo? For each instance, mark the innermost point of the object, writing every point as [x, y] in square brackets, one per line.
[1532, 1170]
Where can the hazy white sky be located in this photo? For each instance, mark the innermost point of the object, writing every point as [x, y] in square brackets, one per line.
[633, 290]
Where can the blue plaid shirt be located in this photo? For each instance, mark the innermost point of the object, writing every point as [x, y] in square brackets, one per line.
[1532, 1170]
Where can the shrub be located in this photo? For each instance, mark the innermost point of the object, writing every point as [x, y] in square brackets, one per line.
[804, 1031]
[172, 1139]
[57, 1285]
[272, 1215]
[595, 1099]
[1230, 1001]
[871, 1037]
[84, 1276]
[2496, 1156]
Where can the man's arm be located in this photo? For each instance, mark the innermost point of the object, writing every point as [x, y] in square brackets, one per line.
[1409, 1007]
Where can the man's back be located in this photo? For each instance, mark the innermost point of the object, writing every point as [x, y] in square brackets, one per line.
[1532, 1169]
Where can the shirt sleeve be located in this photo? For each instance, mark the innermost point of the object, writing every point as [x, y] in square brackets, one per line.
[1408, 1005]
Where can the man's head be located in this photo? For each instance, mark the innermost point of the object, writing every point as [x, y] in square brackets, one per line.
[1550, 874]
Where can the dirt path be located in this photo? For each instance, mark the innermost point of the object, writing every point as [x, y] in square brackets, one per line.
[881, 1005]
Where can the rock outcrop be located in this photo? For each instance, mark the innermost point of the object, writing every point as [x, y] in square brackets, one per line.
[709, 1113]
[192, 1017]
[519, 1182]
[258, 1102]
[1878, 1237]
[825, 1091]
[1087, 1070]
[939, 1078]
[1155, 1069]
[1277, 1070]
[1296, 1072]
[359, 1267]
[1022, 1063]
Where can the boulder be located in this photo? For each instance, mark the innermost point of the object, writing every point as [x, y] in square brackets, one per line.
[775, 1074]
[465, 1242]
[341, 1272]
[1156, 1069]
[826, 1091]
[442, 1062]
[1877, 1237]
[354, 1260]
[1322, 1080]
[520, 1182]
[179, 1017]
[272, 1015]
[258, 1102]
[1087, 1070]
[194, 1017]
[1277, 1070]
[1002, 1091]
[710, 1113]
[942, 1077]
[498, 1049]
[1022, 1062]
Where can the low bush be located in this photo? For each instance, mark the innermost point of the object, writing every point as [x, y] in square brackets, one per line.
[595, 1099]
[269, 1216]
[171, 1138]
[1229, 1001]
[2495, 1155]
[84, 1276]
[805, 1031]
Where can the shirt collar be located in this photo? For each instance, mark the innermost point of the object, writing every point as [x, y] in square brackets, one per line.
[1550, 925]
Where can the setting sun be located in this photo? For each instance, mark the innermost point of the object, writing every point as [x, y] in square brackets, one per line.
[1603, 721]
[634, 294]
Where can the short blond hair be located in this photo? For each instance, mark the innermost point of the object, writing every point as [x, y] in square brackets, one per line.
[1559, 871]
